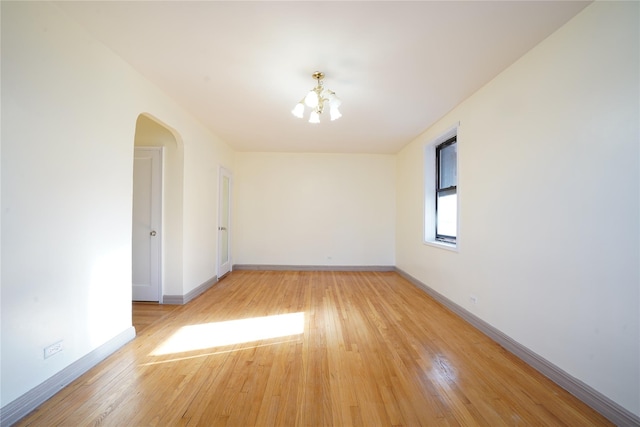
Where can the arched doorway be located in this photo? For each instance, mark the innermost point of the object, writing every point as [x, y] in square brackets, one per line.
[152, 136]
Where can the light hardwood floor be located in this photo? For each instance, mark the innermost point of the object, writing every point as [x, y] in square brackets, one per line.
[366, 349]
[146, 314]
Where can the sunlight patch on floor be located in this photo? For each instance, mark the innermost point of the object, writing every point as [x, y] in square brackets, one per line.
[215, 353]
[218, 334]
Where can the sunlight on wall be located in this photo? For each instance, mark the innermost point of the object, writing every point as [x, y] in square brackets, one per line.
[216, 334]
[109, 296]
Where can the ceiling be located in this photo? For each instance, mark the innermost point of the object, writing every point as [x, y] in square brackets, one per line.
[240, 67]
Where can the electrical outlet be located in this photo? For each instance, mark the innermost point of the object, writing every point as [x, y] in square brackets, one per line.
[52, 349]
[473, 299]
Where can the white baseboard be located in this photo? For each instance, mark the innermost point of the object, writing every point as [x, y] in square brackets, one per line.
[23, 405]
[596, 400]
[183, 299]
[270, 267]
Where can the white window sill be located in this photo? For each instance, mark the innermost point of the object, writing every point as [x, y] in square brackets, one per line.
[442, 245]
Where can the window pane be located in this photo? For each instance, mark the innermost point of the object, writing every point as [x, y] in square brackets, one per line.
[447, 214]
[448, 168]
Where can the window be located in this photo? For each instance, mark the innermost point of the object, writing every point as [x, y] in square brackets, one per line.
[447, 191]
[441, 191]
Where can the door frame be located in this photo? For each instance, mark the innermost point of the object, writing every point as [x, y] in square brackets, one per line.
[157, 224]
[220, 269]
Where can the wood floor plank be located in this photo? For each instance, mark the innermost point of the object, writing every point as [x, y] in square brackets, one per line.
[373, 350]
[146, 314]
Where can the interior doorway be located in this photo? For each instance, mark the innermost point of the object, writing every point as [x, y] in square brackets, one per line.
[167, 232]
[224, 222]
[147, 224]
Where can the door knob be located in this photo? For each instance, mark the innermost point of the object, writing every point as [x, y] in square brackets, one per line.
[153, 232]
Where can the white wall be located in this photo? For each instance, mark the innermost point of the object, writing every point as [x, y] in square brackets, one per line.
[202, 161]
[314, 209]
[549, 193]
[69, 110]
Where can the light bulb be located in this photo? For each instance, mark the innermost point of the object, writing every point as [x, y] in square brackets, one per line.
[311, 99]
[298, 110]
[334, 112]
[314, 117]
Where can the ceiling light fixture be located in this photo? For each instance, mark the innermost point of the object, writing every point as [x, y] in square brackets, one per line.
[316, 99]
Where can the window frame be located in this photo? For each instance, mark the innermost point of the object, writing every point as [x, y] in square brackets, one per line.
[453, 189]
[429, 193]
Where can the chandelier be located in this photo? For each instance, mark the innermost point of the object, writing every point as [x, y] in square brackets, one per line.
[317, 99]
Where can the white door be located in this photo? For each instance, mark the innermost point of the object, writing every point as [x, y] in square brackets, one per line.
[224, 222]
[147, 209]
